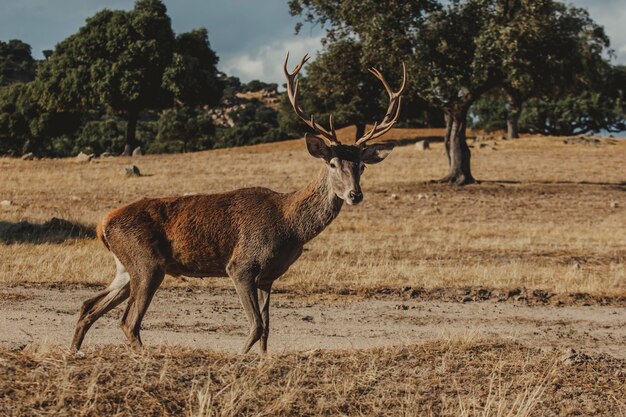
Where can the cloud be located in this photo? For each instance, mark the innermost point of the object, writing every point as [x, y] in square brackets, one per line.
[266, 62]
[611, 14]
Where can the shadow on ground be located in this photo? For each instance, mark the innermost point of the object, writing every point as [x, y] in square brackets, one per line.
[53, 231]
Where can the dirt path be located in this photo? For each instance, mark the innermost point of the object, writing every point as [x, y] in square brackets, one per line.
[213, 319]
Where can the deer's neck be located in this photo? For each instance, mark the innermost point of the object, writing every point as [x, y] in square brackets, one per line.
[312, 208]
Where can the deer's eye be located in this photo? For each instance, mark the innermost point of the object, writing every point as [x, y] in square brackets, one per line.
[333, 165]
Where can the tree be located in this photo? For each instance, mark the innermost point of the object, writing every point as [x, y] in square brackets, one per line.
[448, 63]
[597, 108]
[254, 123]
[256, 85]
[454, 64]
[489, 113]
[459, 50]
[27, 127]
[129, 61]
[546, 47]
[183, 129]
[16, 62]
[337, 81]
[600, 106]
[192, 76]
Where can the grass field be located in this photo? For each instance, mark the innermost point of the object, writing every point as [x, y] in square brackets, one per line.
[547, 223]
[547, 215]
[452, 377]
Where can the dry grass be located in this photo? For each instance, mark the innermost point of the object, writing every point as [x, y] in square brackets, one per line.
[449, 377]
[542, 218]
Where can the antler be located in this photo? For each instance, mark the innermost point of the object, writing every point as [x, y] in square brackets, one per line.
[393, 111]
[292, 92]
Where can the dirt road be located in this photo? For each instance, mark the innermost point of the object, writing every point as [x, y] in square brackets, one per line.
[213, 319]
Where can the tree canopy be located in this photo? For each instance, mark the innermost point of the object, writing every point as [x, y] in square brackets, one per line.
[16, 62]
[457, 51]
[25, 126]
[129, 61]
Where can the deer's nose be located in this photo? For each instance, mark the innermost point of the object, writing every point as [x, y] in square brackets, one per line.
[355, 196]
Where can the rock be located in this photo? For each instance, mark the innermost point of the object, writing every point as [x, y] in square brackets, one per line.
[106, 154]
[6, 203]
[422, 145]
[137, 151]
[132, 171]
[421, 196]
[308, 318]
[28, 156]
[572, 357]
[83, 157]
[614, 204]
[394, 196]
[568, 356]
[482, 145]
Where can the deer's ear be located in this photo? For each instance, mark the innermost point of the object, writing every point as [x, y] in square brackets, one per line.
[375, 153]
[317, 147]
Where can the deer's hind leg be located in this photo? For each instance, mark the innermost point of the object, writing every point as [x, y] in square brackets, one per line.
[144, 283]
[101, 303]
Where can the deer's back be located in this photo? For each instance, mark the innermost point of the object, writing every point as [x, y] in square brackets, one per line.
[197, 235]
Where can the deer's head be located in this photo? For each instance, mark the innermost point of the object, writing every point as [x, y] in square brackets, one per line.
[346, 163]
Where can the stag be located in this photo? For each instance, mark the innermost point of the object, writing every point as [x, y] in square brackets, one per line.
[251, 235]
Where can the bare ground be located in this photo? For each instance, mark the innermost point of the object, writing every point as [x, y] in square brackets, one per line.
[211, 318]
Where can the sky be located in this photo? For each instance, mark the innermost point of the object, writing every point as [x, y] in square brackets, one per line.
[251, 37]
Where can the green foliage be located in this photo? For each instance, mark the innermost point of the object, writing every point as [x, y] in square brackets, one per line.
[256, 85]
[573, 114]
[129, 61]
[98, 136]
[453, 65]
[489, 113]
[254, 123]
[336, 83]
[27, 127]
[341, 84]
[546, 46]
[601, 106]
[458, 50]
[232, 85]
[183, 129]
[117, 60]
[16, 62]
[192, 76]
[14, 131]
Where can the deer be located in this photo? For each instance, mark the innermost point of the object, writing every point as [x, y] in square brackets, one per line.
[252, 235]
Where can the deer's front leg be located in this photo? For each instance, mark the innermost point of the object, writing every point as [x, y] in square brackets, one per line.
[245, 284]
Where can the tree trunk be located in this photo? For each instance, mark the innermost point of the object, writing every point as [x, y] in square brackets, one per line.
[360, 130]
[458, 152]
[446, 138]
[513, 114]
[131, 130]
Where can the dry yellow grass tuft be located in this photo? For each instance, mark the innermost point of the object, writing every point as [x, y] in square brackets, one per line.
[452, 377]
[548, 215]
